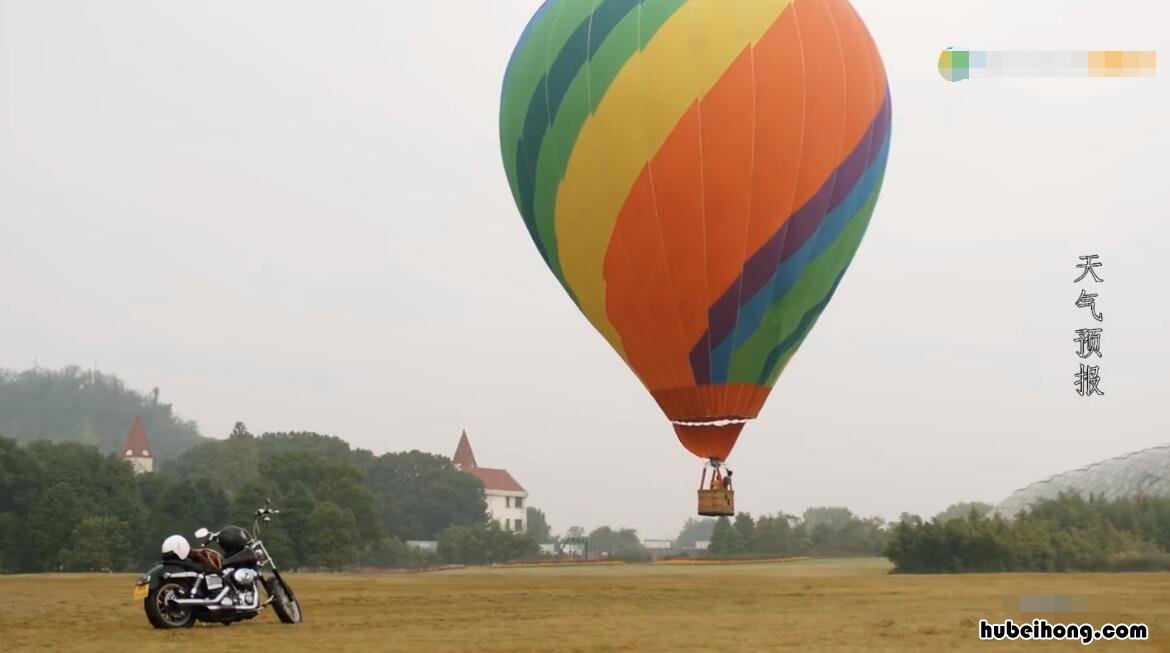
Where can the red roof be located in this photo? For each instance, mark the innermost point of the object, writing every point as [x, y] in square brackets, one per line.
[492, 479]
[463, 455]
[495, 479]
[135, 444]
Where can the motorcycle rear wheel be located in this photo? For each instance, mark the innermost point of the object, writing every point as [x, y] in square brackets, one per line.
[161, 614]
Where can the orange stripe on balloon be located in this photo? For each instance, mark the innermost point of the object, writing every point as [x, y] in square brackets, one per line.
[741, 160]
[824, 94]
[678, 403]
[780, 128]
[649, 307]
[776, 150]
[697, 186]
[728, 128]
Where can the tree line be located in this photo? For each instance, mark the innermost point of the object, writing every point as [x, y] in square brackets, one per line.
[65, 506]
[821, 531]
[87, 407]
[1068, 533]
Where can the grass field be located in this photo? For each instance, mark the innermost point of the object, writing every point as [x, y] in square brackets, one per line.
[806, 605]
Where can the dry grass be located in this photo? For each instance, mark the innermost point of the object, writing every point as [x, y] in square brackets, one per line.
[804, 605]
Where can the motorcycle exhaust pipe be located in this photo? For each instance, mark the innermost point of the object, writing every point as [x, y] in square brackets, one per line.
[203, 602]
[217, 603]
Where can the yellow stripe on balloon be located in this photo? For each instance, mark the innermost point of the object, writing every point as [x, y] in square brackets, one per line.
[680, 64]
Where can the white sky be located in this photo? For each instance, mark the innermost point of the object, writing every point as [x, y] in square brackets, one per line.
[294, 214]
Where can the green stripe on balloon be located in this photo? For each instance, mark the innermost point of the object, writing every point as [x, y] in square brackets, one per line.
[529, 65]
[548, 97]
[783, 318]
[778, 358]
[582, 98]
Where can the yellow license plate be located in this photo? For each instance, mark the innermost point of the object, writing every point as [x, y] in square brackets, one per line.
[141, 591]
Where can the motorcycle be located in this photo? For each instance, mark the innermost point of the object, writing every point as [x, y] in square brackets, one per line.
[203, 585]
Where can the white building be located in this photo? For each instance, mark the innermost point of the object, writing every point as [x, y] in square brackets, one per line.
[507, 501]
[659, 545]
[136, 450]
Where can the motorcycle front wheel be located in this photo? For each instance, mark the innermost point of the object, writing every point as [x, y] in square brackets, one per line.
[162, 613]
[284, 603]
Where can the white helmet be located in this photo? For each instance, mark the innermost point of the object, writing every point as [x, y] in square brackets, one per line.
[178, 545]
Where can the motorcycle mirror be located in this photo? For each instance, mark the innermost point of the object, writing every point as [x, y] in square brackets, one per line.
[202, 533]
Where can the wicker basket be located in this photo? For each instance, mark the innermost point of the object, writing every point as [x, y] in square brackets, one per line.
[717, 503]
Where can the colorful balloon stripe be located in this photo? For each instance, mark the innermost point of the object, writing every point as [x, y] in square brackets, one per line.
[577, 80]
[776, 266]
[698, 174]
[958, 65]
[546, 99]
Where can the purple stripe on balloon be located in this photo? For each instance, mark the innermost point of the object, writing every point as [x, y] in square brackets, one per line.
[722, 315]
[789, 238]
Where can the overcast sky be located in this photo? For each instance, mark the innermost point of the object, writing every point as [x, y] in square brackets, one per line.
[294, 214]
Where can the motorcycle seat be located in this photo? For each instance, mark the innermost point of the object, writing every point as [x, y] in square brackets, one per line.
[189, 565]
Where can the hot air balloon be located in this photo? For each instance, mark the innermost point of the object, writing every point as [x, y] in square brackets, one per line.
[698, 175]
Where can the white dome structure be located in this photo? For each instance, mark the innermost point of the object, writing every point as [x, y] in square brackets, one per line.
[1141, 473]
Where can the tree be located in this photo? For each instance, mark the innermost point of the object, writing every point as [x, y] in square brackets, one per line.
[419, 495]
[251, 496]
[963, 510]
[331, 541]
[50, 526]
[385, 552]
[833, 518]
[296, 506]
[11, 546]
[746, 527]
[621, 543]
[99, 544]
[230, 463]
[183, 507]
[538, 526]
[773, 536]
[694, 531]
[329, 480]
[321, 446]
[478, 544]
[575, 532]
[20, 478]
[275, 532]
[725, 539]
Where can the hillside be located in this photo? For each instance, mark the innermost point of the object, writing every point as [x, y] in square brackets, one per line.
[72, 405]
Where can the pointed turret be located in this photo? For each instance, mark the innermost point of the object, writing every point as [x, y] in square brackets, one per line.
[464, 458]
[136, 449]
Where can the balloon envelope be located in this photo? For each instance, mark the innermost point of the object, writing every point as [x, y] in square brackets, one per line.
[698, 175]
